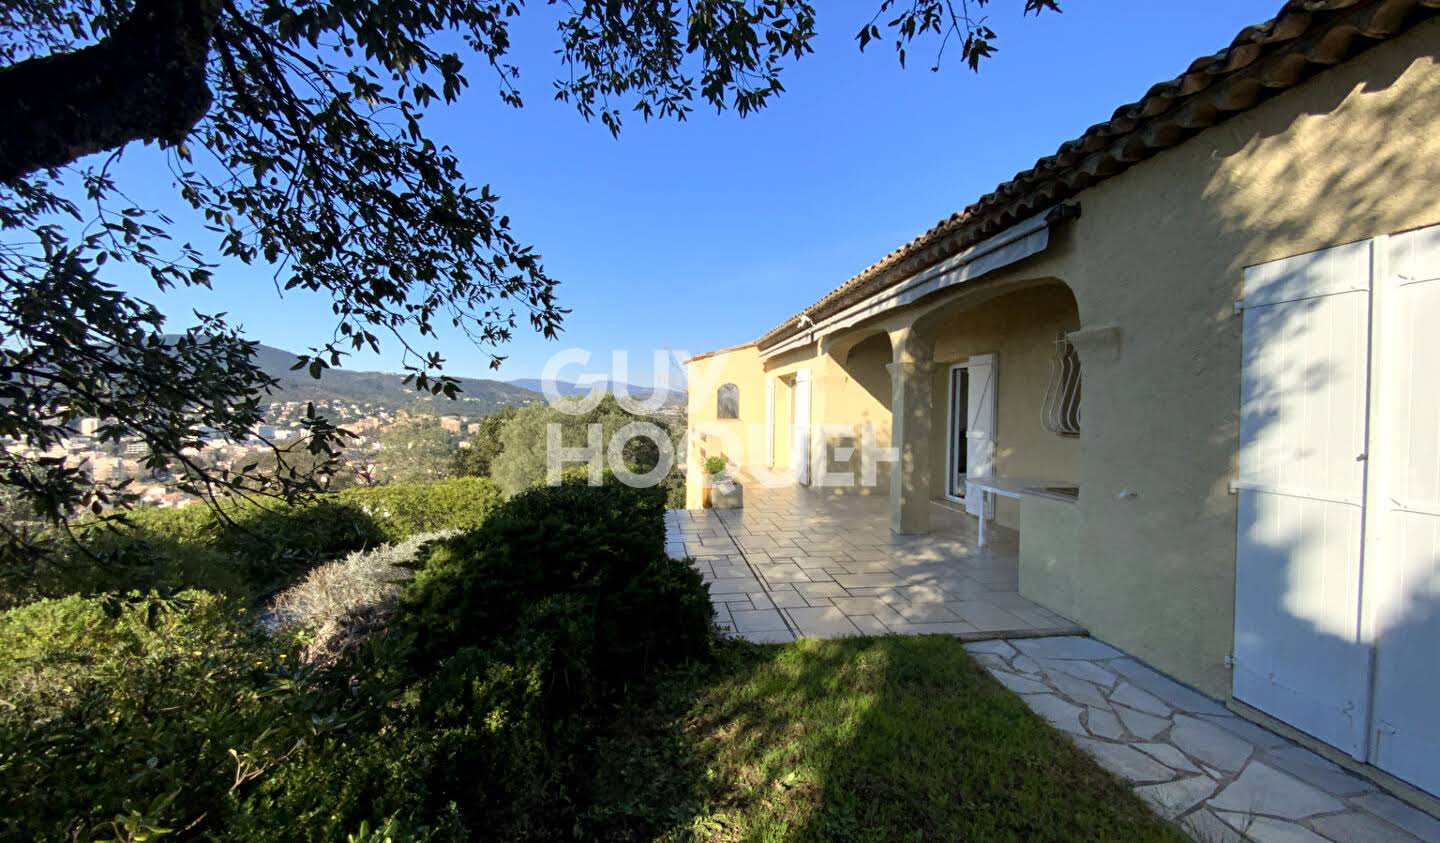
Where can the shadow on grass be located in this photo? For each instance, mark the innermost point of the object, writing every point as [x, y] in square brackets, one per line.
[880, 739]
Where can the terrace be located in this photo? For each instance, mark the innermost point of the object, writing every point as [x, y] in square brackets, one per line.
[796, 562]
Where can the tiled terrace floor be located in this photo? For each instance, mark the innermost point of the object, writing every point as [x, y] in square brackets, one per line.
[795, 562]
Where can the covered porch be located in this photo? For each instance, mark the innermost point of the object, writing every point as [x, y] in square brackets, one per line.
[797, 562]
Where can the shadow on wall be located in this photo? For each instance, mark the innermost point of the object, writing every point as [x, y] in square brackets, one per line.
[845, 460]
[1320, 609]
[865, 396]
[1019, 322]
[1314, 623]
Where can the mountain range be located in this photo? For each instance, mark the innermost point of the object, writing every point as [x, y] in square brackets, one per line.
[639, 393]
[478, 396]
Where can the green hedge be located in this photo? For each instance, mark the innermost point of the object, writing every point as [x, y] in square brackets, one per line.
[263, 548]
[472, 717]
[564, 598]
[119, 714]
[402, 510]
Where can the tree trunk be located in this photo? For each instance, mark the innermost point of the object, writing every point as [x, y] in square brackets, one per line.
[145, 81]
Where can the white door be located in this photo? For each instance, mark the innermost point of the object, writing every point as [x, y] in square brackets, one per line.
[800, 449]
[1299, 653]
[1403, 553]
[770, 422]
[980, 429]
[1337, 606]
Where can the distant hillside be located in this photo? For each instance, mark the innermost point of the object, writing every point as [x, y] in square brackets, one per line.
[640, 393]
[478, 396]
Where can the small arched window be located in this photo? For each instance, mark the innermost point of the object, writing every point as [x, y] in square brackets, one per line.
[727, 402]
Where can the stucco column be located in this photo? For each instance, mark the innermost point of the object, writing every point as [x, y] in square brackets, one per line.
[694, 470]
[911, 403]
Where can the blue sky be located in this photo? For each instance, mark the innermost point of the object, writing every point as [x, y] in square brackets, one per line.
[707, 233]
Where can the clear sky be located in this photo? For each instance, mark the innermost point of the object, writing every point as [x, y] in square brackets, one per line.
[708, 233]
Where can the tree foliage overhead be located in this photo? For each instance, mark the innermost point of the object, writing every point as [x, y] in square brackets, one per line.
[295, 131]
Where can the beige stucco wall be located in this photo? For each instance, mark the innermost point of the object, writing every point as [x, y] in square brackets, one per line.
[1159, 252]
[1049, 551]
[1020, 328]
[1155, 265]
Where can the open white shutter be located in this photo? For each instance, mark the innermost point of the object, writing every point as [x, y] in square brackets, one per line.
[769, 422]
[800, 451]
[980, 430]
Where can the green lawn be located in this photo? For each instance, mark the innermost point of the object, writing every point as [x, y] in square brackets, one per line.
[881, 739]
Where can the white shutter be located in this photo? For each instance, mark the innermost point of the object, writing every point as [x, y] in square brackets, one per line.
[1299, 653]
[770, 422]
[800, 451]
[1402, 576]
[980, 430]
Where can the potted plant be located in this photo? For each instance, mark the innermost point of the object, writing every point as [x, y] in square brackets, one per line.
[714, 472]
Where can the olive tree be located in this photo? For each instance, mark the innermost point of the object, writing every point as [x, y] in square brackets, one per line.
[295, 130]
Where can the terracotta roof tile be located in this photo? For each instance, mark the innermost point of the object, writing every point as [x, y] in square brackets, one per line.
[1306, 36]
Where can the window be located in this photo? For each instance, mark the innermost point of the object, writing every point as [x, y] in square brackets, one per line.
[727, 402]
[1060, 414]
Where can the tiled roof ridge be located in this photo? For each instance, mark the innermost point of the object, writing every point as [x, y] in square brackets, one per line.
[1263, 59]
[707, 354]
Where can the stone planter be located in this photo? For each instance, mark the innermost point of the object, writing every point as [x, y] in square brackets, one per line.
[710, 481]
[725, 493]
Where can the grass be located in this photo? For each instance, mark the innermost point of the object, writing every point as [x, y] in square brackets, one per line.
[881, 739]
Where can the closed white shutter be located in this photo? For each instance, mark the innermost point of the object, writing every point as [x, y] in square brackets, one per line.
[1299, 653]
[980, 432]
[1403, 554]
[800, 451]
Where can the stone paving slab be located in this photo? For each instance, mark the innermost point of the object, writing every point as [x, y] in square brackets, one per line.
[794, 549]
[1221, 778]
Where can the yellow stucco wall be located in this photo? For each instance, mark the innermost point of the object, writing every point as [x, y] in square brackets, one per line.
[710, 436]
[1155, 265]
[1050, 551]
[1020, 328]
[855, 394]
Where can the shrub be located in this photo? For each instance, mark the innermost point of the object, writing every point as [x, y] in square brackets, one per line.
[562, 599]
[714, 465]
[402, 510]
[341, 602]
[261, 549]
[470, 717]
[520, 630]
[571, 538]
[120, 714]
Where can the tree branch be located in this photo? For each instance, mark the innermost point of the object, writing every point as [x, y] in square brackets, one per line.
[144, 81]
